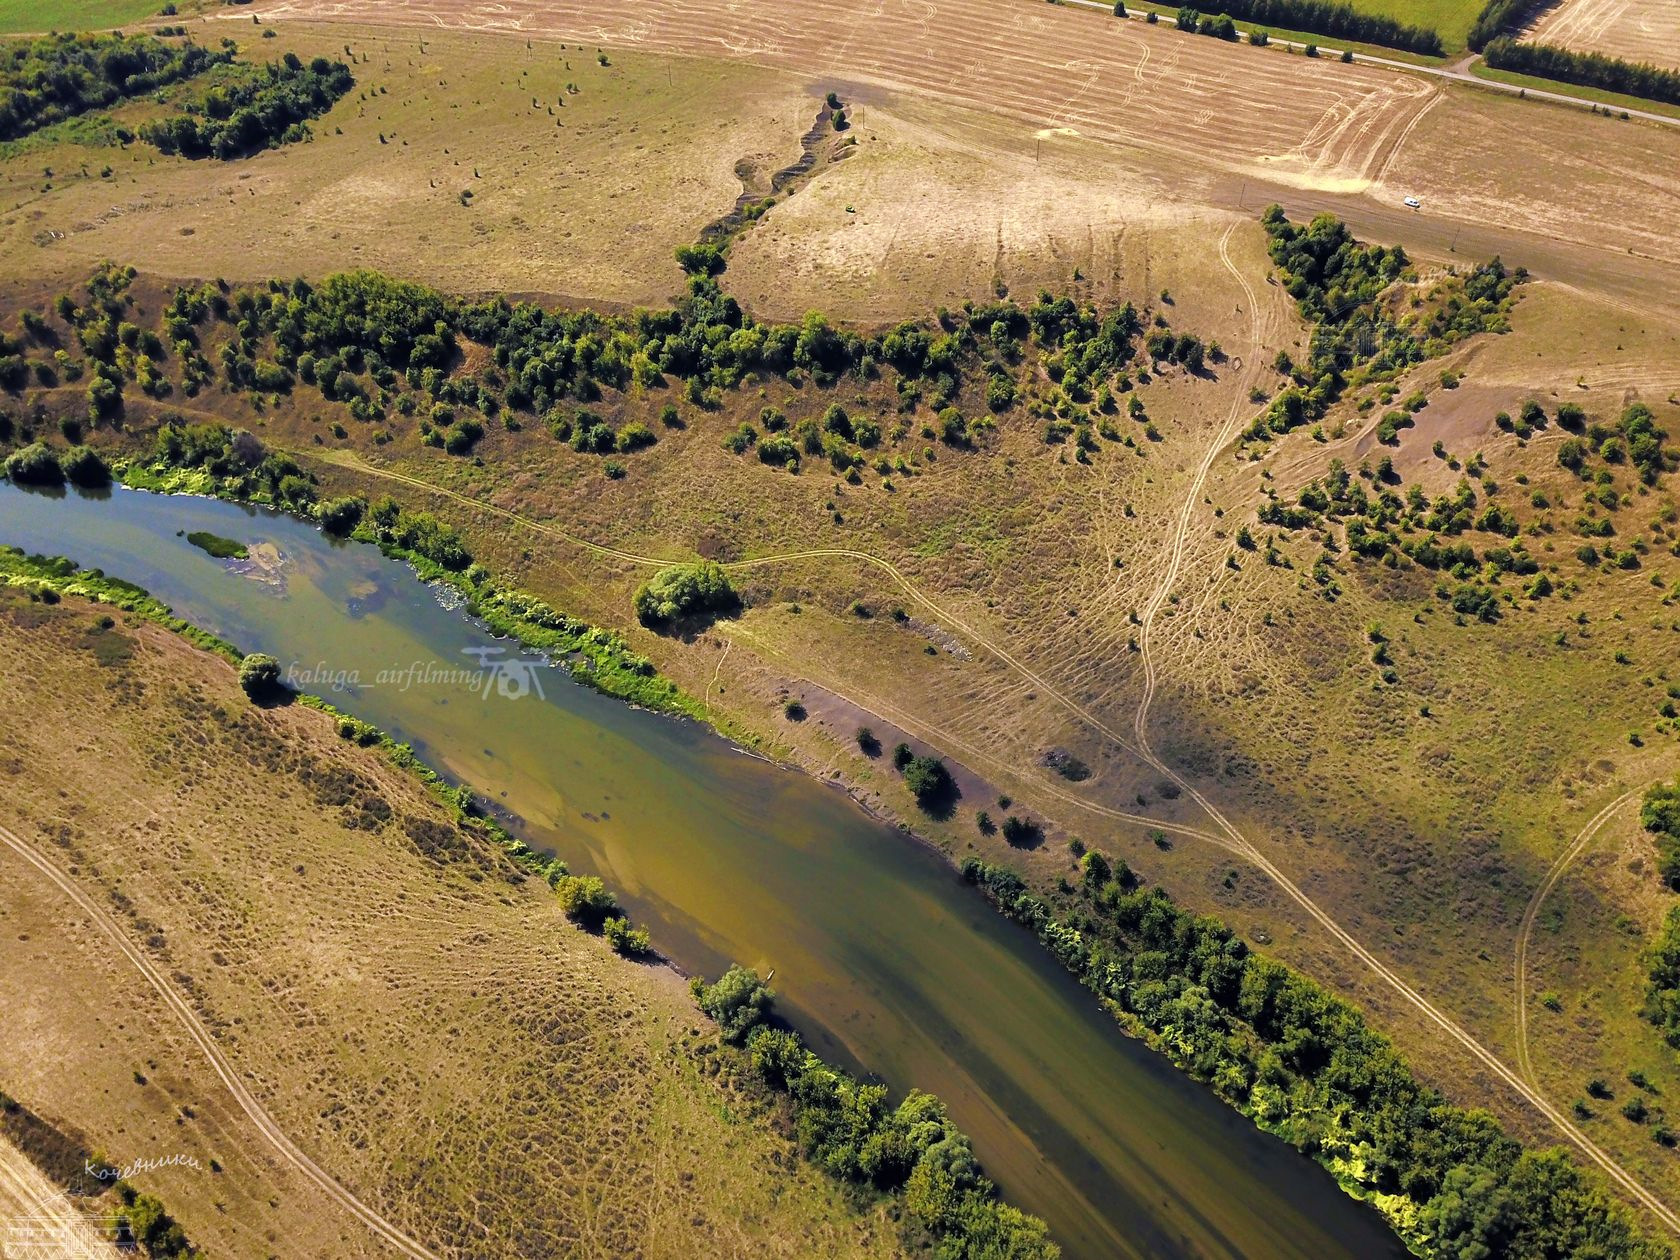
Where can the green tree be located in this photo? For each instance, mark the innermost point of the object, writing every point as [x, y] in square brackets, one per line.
[259, 675]
[739, 1001]
[585, 899]
[685, 590]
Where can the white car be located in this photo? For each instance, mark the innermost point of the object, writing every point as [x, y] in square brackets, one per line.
[1413, 203]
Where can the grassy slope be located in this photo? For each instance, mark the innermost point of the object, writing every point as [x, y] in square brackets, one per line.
[432, 115]
[317, 949]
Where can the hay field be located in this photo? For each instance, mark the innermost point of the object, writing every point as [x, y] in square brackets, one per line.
[1635, 30]
[1313, 123]
[973, 104]
[426, 1027]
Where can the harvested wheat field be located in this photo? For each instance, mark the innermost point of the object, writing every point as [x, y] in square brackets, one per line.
[1183, 125]
[1635, 30]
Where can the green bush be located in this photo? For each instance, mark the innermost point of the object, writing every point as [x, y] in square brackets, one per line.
[738, 1002]
[585, 899]
[85, 467]
[35, 465]
[341, 516]
[629, 941]
[929, 781]
[259, 675]
[685, 590]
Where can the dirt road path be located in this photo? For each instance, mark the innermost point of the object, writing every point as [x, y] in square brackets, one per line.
[1229, 837]
[1525, 930]
[200, 1036]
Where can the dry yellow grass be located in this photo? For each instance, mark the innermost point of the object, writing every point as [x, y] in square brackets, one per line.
[426, 1027]
[585, 194]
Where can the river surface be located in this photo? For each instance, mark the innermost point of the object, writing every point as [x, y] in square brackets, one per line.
[883, 958]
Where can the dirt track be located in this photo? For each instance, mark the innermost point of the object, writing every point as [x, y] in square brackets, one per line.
[38, 1218]
[201, 1037]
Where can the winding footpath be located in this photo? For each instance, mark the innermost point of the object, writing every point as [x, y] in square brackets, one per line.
[1523, 1084]
[1525, 931]
[200, 1036]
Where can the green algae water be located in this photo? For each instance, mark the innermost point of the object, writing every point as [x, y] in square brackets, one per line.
[883, 958]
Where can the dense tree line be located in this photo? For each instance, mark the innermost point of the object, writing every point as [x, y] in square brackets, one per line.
[271, 108]
[1306, 1065]
[1660, 815]
[1498, 17]
[376, 345]
[46, 80]
[849, 1128]
[1585, 69]
[1336, 282]
[1328, 17]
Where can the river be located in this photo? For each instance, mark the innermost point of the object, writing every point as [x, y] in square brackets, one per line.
[883, 958]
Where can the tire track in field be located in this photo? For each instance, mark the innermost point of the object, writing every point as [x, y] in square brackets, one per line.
[1526, 930]
[200, 1036]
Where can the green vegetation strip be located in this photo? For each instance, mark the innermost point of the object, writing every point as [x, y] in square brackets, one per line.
[1613, 102]
[1305, 1065]
[1660, 815]
[911, 1152]
[1323, 17]
[47, 80]
[1585, 69]
[271, 107]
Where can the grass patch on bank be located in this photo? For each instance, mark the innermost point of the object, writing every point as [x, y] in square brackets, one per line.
[216, 545]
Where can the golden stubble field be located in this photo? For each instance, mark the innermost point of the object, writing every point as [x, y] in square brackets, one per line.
[432, 1032]
[1165, 123]
[1635, 30]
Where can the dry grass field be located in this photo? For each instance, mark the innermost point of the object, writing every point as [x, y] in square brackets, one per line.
[584, 193]
[1635, 30]
[427, 1028]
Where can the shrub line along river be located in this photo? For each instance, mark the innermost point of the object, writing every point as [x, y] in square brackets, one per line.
[883, 958]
